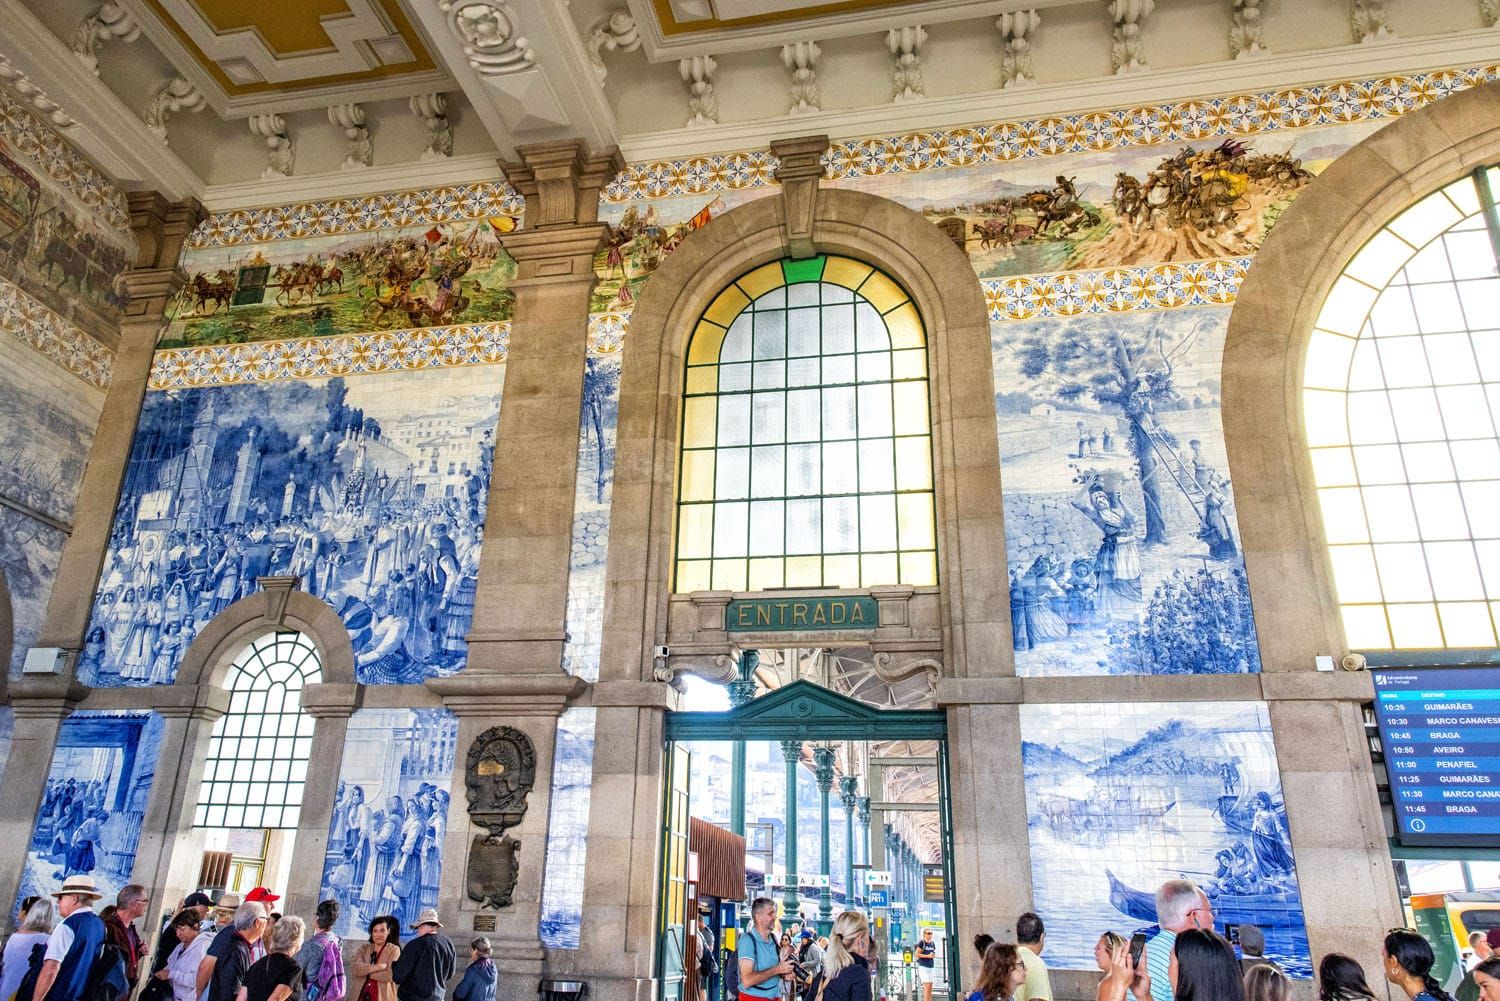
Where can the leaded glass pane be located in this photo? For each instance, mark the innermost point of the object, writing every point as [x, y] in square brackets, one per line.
[806, 448]
[263, 740]
[1417, 398]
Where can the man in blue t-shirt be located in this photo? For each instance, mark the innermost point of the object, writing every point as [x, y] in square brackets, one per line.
[74, 944]
[1180, 905]
[760, 960]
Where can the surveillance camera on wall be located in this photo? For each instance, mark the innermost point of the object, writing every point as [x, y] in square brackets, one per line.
[661, 651]
[1354, 662]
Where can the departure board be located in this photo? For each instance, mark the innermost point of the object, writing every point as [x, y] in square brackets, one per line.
[1440, 730]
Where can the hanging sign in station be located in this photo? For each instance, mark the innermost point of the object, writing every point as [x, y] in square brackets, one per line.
[774, 615]
[878, 877]
[880, 898]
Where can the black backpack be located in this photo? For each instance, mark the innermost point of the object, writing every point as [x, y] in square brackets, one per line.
[33, 970]
[106, 980]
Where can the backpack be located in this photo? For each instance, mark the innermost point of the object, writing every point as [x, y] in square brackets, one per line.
[33, 970]
[328, 980]
[106, 980]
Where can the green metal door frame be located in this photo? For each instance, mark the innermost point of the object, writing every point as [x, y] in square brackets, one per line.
[803, 710]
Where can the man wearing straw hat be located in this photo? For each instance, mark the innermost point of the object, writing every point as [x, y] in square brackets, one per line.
[426, 962]
[74, 944]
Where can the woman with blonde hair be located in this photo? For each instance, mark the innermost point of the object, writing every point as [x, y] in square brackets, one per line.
[1266, 983]
[846, 972]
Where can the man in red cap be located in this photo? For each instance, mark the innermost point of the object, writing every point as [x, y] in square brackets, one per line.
[265, 898]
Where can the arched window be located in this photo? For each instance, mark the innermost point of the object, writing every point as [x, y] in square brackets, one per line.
[257, 757]
[806, 440]
[1401, 402]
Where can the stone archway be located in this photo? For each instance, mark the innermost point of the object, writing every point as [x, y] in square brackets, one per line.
[277, 605]
[1284, 543]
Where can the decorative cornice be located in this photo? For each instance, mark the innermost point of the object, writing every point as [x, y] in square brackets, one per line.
[1191, 120]
[55, 156]
[45, 331]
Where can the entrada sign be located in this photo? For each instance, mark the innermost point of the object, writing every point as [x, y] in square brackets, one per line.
[769, 615]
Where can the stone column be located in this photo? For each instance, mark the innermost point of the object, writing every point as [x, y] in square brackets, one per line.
[1349, 894]
[170, 852]
[863, 806]
[848, 787]
[160, 228]
[823, 762]
[791, 750]
[514, 672]
[331, 705]
[893, 862]
[741, 693]
[39, 707]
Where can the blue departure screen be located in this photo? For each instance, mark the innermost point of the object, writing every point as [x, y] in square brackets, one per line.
[1440, 728]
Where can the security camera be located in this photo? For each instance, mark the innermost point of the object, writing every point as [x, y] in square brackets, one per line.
[1354, 662]
[661, 651]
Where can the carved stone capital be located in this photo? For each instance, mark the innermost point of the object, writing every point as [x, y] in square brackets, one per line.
[561, 180]
[800, 168]
[161, 227]
[505, 694]
[555, 255]
[205, 703]
[331, 699]
[51, 697]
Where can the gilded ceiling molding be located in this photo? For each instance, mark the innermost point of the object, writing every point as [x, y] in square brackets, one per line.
[1016, 29]
[56, 157]
[110, 22]
[48, 333]
[1193, 120]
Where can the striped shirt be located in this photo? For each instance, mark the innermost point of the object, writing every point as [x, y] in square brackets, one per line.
[1158, 959]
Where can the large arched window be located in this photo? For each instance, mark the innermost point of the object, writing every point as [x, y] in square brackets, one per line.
[257, 757]
[806, 440]
[1401, 398]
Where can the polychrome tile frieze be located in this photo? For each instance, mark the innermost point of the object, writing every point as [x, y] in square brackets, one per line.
[1115, 290]
[33, 323]
[333, 217]
[1181, 121]
[64, 164]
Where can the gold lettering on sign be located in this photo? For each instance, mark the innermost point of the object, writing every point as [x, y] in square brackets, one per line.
[838, 614]
[762, 615]
[820, 615]
[744, 614]
[859, 614]
[799, 613]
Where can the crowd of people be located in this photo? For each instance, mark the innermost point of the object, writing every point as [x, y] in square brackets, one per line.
[230, 950]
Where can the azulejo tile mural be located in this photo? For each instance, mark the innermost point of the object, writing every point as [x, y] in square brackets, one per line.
[372, 490]
[62, 163]
[390, 815]
[568, 821]
[1121, 797]
[34, 324]
[94, 802]
[1119, 517]
[44, 442]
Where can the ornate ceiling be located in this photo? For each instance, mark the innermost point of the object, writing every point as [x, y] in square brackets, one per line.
[255, 102]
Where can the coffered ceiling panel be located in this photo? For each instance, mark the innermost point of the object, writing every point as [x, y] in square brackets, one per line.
[255, 48]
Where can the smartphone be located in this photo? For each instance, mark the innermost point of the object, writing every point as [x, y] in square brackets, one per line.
[1137, 947]
[1232, 933]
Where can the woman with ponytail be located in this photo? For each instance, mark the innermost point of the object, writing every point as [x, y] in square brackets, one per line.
[1408, 964]
[846, 972]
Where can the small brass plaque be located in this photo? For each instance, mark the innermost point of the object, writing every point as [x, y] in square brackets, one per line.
[484, 922]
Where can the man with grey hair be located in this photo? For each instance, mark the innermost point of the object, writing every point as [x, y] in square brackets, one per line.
[761, 964]
[1180, 905]
[223, 969]
[119, 929]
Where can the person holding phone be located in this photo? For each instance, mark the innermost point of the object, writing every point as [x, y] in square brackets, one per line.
[1112, 953]
[763, 965]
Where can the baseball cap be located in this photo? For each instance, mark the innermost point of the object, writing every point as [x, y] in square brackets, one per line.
[807, 933]
[197, 899]
[261, 895]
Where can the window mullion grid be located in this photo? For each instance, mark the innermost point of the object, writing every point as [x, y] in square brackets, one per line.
[859, 485]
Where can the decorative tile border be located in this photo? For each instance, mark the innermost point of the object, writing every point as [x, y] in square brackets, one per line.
[1099, 131]
[357, 215]
[39, 143]
[324, 357]
[40, 328]
[355, 354]
[1116, 290]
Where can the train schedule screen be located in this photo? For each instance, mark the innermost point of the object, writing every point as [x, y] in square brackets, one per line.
[1440, 728]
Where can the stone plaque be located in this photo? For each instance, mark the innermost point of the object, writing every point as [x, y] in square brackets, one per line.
[484, 922]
